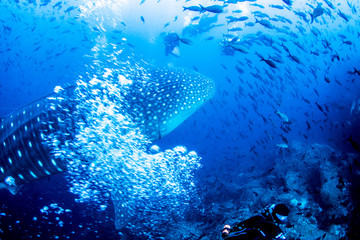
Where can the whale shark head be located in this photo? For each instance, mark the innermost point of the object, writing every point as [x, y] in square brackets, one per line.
[169, 97]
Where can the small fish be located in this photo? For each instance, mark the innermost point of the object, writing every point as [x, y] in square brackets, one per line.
[302, 16]
[58, 4]
[69, 9]
[167, 24]
[326, 43]
[239, 48]
[282, 116]
[353, 8]
[257, 5]
[339, 83]
[288, 2]
[192, 8]
[249, 24]
[277, 19]
[327, 79]
[212, 8]
[316, 92]
[231, 19]
[276, 6]
[335, 56]
[343, 16]
[195, 18]
[348, 42]
[142, 19]
[252, 148]
[235, 29]
[263, 118]
[265, 23]
[268, 62]
[356, 71]
[284, 139]
[285, 48]
[237, 11]
[354, 144]
[260, 14]
[315, 31]
[238, 69]
[319, 107]
[295, 58]
[243, 18]
[353, 105]
[282, 146]
[277, 59]
[329, 4]
[284, 129]
[326, 108]
[45, 2]
[315, 53]
[186, 41]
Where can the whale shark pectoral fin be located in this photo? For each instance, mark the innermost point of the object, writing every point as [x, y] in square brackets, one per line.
[12, 189]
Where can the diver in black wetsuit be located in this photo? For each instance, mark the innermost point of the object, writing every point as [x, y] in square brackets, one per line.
[171, 41]
[260, 227]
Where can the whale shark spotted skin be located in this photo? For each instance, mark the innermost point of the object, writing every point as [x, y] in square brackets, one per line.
[169, 97]
[24, 155]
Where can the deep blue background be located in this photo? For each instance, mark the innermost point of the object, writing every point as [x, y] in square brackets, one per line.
[42, 46]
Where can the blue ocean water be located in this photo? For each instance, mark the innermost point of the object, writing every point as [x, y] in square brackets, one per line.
[276, 130]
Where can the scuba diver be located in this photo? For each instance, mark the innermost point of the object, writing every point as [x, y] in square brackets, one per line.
[172, 42]
[260, 227]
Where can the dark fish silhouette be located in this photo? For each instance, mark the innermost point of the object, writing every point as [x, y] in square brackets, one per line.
[354, 144]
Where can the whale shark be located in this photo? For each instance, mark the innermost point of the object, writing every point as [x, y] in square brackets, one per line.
[156, 105]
